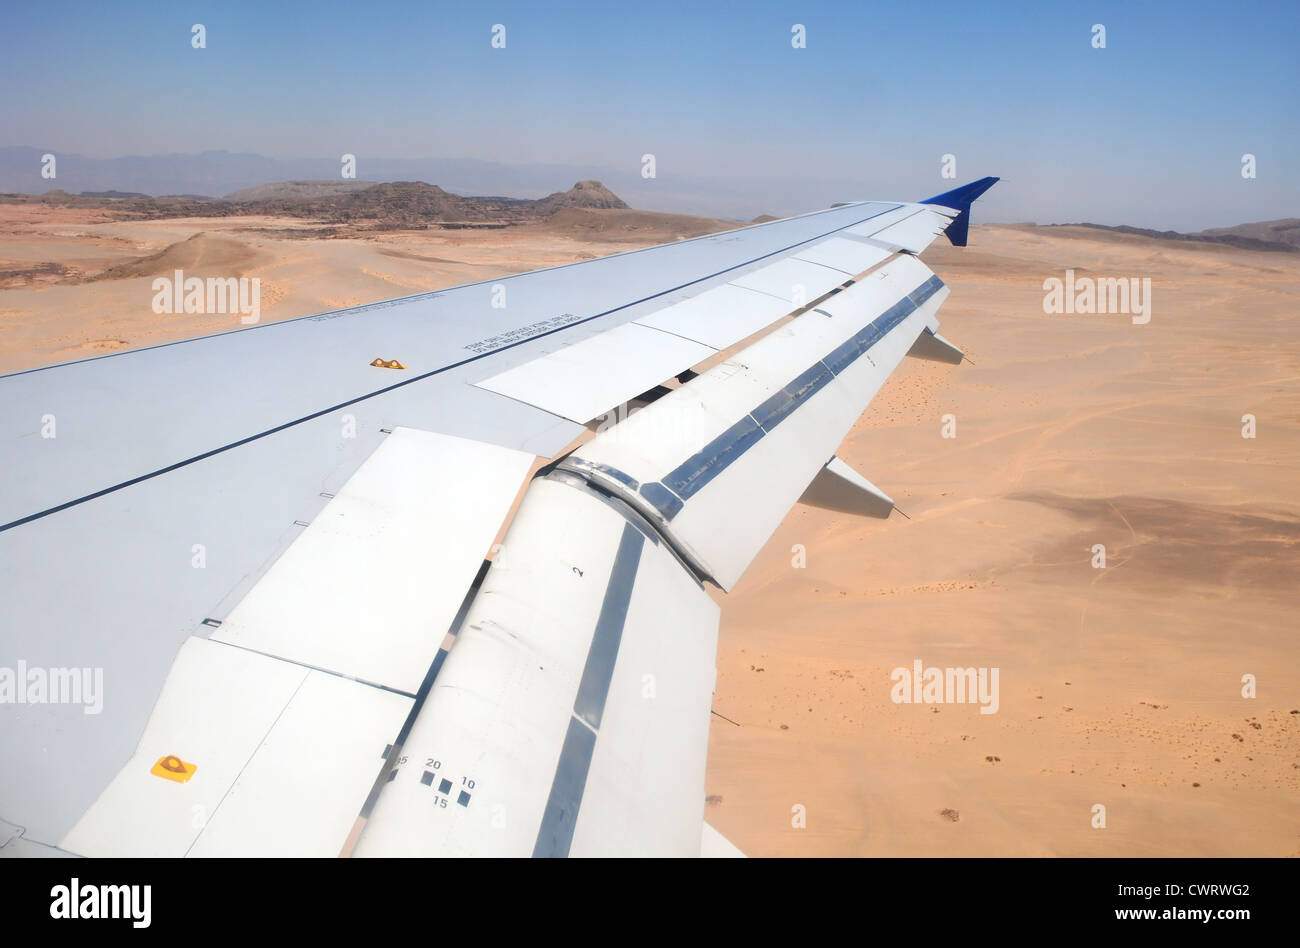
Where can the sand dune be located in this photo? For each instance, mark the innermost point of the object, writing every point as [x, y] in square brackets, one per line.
[197, 255]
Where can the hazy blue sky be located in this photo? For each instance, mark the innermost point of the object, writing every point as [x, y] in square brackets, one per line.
[1148, 131]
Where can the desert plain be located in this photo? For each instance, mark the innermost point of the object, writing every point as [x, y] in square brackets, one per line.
[1120, 686]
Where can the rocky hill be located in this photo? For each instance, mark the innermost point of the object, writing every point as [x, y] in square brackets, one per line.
[583, 194]
[1284, 231]
[395, 205]
[297, 190]
[1282, 236]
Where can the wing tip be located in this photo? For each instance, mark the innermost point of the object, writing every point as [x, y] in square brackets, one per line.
[960, 200]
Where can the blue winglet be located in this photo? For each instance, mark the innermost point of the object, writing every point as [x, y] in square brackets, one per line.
[960, 199]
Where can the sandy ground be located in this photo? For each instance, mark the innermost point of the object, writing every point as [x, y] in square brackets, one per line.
[1118, 686]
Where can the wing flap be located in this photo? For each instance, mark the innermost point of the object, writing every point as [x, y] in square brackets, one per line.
[586, 661]
[720, 461]
[370, 587]
[916, 232]
[848, 256]
[645, 786]
[719, 317]
[879, 222]
[280, 757]
[583, 381]
[796, 281]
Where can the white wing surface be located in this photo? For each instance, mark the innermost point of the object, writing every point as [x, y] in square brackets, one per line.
[253, 599]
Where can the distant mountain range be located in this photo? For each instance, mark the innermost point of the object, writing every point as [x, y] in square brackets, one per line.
[170, 185]
[288, 190]
[216, 174]
[389, 205]
[1280, 236]
[1284, 231]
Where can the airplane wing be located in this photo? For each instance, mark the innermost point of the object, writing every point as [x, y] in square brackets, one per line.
[264, 597]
